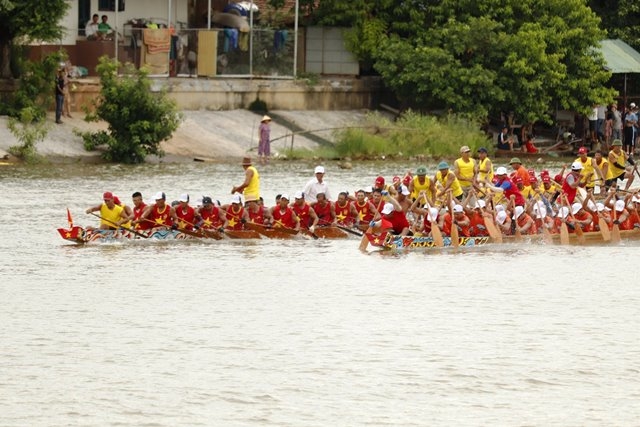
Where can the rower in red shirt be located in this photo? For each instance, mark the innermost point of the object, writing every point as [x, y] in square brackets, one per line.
[185, 213]
[345, 211]
[258, 214]
[234, 214]
[210, 215]
[138, 209]
[324, 209]
[160, 214]
[393, 218]
[365, 209]
[571, 182]
[283, 215]
[306, 215]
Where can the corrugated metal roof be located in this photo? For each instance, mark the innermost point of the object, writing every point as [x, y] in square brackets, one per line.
[620, 57]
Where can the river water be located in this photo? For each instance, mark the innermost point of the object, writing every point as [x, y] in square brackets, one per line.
[299, 333]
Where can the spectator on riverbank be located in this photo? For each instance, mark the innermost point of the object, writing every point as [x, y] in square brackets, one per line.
[264, 144]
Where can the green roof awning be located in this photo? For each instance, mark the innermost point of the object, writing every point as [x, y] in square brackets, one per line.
[620, 57]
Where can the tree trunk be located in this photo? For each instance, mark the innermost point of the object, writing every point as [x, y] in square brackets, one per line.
[5, 59]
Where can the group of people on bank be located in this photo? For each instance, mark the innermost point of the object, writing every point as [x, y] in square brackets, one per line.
[462, 196]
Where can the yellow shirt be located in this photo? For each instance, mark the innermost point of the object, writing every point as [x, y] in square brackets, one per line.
[466, 170]
[528, 192]
[253, 189]
[417, 187]
[456, 189]
[483, 164]
[602, 165]
[588, 174]
[110, 217]
[619, 159]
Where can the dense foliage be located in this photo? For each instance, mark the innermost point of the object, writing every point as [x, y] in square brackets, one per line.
[29, 131]
[139, 119]
[28, 20]
[478, 57]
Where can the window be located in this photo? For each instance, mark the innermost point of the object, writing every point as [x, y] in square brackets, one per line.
[110, 5]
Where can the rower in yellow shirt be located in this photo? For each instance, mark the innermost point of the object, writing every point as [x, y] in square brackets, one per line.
[112, 216]
[448, 181]
[589, 174]
[421, 182]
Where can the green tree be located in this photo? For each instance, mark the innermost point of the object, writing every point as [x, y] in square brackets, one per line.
[480, 56]
[621, 20]
[28, 20]
[139, 119]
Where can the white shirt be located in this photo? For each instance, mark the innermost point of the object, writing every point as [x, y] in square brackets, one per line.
[91, 28]
[314, 187]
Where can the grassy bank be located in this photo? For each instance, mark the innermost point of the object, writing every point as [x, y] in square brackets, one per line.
[411, 135]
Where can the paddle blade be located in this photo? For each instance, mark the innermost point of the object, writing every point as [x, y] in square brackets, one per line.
[581, 239]
[69, 218]
[492, 229]
[437, 235]
[604, 229]
[455, 237]
[615, 234]
[564, 234]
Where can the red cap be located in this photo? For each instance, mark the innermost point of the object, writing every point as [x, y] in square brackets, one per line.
[544, 173]
[396, 178]
[517, 180]
[533, 179]
[406, 180]
[558, 178]
[545, 178]
[107, 195]
[582, 150]
[116, 200]
[532, 173]
[379, 181]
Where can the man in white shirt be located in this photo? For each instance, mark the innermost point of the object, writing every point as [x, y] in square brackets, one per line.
[316, 185]
[91, 29]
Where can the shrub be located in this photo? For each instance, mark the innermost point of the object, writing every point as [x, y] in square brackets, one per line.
[28, 131]
[139, 120]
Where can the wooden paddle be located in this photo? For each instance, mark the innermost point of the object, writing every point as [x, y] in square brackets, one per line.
[516, 228]
[489, 222]
[615, 230]
[455, 237]
[364, 242]
[564, 231]
[576, 225]
[200, 232]
[268, 231]
[435, 230]
[144, 236]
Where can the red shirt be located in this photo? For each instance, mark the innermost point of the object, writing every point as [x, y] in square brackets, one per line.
[477, 227]
[365, 212]
[303, 214]
[137, 213]
[570, 192]
[284, 219]
[187, 217]
[343, 214]
[323, 212]
[210, 218]
[398, 221]
[234, 218]
[161, 217]
[257, 217]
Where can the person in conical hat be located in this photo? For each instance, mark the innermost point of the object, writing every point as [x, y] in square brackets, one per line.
[264, 142]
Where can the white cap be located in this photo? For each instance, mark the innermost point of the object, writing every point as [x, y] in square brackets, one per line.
[236, 199]
[457, 208]
[501, 217]
[619, 206]
[575, 208]
[285, 196]
[576, 166]
[368, 189]
[499, 208]
[541, 212]
[184, 198]
[635, 199]
[563, 212]
[600, 206]
[591, 205]
[388, 208]
[404, 190]
[632, 105]
[298, 195]
[319, 169]
[519, 211]
[433, 214]
[159, 195]
[480, 204]
[501, 170]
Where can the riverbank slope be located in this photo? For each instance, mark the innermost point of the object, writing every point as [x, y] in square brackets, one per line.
[202, 135]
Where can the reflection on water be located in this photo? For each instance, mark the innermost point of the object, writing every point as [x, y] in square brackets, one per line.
[299, 332]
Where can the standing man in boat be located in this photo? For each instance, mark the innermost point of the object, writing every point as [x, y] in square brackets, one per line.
[572, 181]
[112, 216]
[502, 184]
[485, 167]
[590, 173]
[465, 169]
[422, 183]
[251, 185]
[316, 186]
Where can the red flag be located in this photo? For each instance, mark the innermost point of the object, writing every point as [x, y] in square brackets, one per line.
[69, 218]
